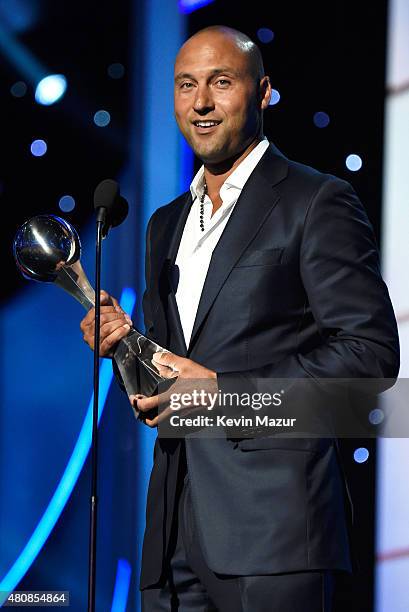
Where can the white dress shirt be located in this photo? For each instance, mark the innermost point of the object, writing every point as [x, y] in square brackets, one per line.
[196, 246]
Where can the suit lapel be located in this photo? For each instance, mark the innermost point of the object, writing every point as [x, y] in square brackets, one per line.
[177, 220]
[255, 203]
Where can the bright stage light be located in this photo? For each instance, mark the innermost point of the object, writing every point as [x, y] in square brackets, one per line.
[50, 89]
[353, 162]
[123, 578]
[188, 6]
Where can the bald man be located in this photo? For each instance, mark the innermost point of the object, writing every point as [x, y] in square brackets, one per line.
[265, 268]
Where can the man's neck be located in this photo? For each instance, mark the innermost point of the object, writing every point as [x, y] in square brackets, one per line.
[216, 175]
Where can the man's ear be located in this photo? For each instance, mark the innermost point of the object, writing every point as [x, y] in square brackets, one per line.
[265, 92]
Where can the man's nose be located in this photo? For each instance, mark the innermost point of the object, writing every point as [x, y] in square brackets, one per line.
[203, 102]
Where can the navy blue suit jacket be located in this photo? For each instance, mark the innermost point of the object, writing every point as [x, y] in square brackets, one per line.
[293, 290]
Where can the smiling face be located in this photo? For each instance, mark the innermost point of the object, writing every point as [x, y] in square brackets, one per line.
[219, 96]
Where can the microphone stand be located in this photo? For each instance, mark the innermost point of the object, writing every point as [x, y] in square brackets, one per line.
[101, 213]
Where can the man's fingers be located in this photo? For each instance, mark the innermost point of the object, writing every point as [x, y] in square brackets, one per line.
[174, 362]
[165, 371]
[109, 342]
[133, 398]
[144, 404]
[107, 339]
[165, 358]
[112, 325]
[168, 364]
[111, 320]
[113, 317]
[88, 319]
[142, 415]
[162, 416]
[116, 305]
[90, 316]
[150, 423]
[106, 298]
[115, 324]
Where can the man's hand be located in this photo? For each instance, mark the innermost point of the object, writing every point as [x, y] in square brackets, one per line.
[190, 375]
[114, 325]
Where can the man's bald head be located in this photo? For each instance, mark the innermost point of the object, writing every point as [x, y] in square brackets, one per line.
[220, 94]
[243, 43]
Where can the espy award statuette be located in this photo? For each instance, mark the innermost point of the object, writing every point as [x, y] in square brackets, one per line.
[47, 249]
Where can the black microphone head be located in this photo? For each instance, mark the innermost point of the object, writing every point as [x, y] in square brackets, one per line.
[107, 197]
[105, 194]
[119, 212]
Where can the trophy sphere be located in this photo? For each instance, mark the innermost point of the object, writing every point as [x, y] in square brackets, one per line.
[43, 245]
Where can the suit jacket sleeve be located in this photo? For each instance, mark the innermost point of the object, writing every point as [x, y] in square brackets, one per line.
[339, 266]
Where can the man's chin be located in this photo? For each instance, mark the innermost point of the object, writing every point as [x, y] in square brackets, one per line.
[210, 155]
[215, 155]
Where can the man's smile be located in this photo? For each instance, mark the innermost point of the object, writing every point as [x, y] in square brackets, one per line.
[204, 126]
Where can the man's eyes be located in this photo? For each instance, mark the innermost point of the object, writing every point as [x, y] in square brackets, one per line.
[222, 83]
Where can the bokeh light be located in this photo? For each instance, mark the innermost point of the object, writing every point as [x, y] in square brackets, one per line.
[275, 97]
[361, 455]
[66, 203]
[19, 89]
[38, 148]
[353, 162]
[376, 416]
[321, 119]
[116, 70]
[265, 35]
[102, 118]
[50, 89]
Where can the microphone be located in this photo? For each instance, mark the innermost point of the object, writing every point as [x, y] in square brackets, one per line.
[112, 208]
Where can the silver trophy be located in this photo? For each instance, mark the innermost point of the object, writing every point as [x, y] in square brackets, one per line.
[47, 249]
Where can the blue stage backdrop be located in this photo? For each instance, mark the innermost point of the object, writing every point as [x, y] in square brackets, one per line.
[46, 374]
